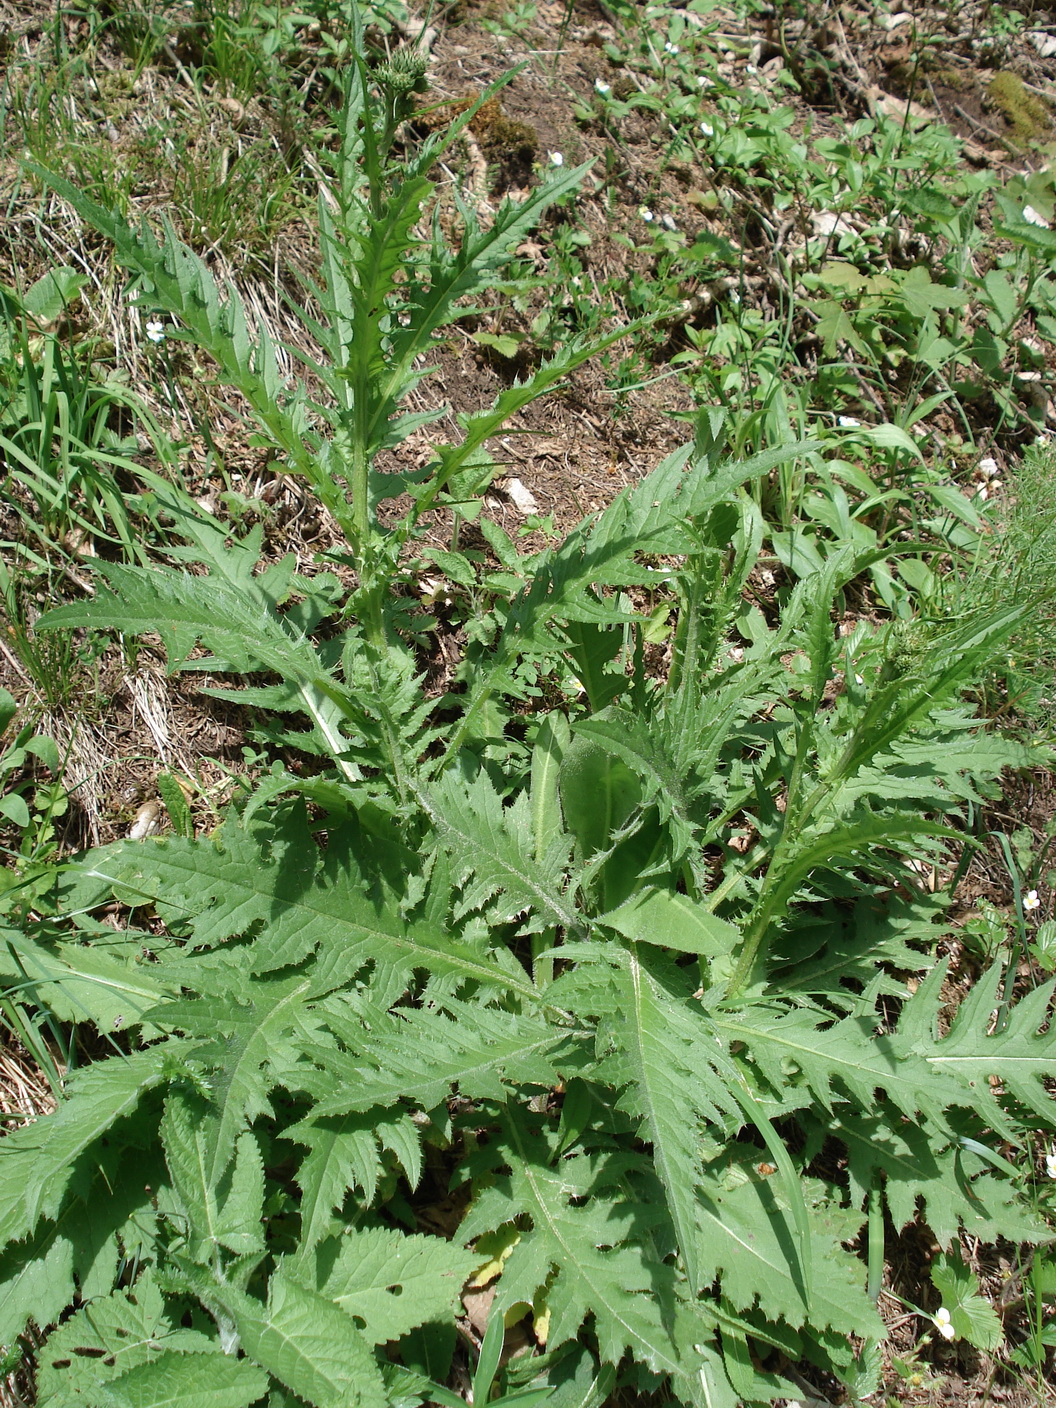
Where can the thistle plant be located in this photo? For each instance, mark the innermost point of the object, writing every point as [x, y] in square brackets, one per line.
[389, 281]
[565, 999]
[532, 965]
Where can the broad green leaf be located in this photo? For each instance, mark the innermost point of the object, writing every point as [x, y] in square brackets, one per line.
[308, 1343]
[51, 294]
[743, 1238]
[175, 1380]
[107, 1338]
[670, 920]
[889, 437]
[395, 1282]
[599, 793]
[550, 744]
[972, 1317]
[40, 1158]
[583, 1251]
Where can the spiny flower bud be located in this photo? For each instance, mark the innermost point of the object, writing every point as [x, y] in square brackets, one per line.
[403, 73]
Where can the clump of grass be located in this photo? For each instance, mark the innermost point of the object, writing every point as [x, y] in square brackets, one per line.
[1018, 560]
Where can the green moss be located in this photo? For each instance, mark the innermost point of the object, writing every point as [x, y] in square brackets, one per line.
[1025, 113]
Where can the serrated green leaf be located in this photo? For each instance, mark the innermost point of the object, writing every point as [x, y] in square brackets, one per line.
[107, 1338]
[587, 1257]
[106, 1214]
[308, 1343]
[276, 885]
[422, 1055]
[40, 1159]
[670, 920]
[673, 1074]
[743, 1239]
[493, 848]
[222, 1212]
[395, 1282]
[249, 1044]
[174, 1380]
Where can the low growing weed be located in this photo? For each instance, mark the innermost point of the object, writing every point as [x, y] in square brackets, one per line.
[599, 1002]
[644, 939]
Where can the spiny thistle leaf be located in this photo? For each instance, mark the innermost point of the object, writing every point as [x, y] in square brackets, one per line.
[590, 1258]
[109, 1337]
[743, 1234]
[395, 1282]
[40, 1158]
[272, 882]
[493, 850]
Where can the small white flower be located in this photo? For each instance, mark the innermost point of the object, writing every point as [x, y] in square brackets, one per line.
[556, 159]
[858, 679]
[1031, 901]
[156, 332]
[647, 215]
[668, 222]
[988, 468]
[982, 493]
[942, 1320]
[1032, 217]
[670, 48]
[847, 422]
[1050, 1163]
[1041, 439]
[707, 129]
[602, 88]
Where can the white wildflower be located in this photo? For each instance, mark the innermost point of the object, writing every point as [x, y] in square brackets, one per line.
[556, 159]
[859, 680]
[1031, 901]
[847, 422]
[982, 493]
[1050, 1163]
[988, 468]
[707, 129]
[156, 331]
[670, 48]
[602, 88]
[668, 222]
[646, 214]
[1033, 217]
[942, 1320]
